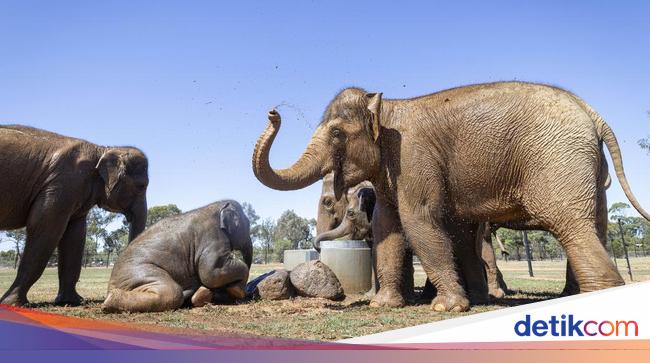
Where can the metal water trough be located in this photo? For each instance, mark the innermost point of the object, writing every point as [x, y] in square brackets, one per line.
[293, 258]
[351, 261]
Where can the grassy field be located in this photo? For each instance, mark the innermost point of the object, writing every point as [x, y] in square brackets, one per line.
[313, 319]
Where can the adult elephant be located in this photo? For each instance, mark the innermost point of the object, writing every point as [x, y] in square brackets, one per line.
[183, 258]
[505, 152]
[48, 184]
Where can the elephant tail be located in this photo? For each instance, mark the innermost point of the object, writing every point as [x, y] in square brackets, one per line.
[607, 135]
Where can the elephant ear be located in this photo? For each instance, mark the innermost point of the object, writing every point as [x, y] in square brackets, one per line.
[111, 169]
[229, 219]
[374, 106]
[367, 200]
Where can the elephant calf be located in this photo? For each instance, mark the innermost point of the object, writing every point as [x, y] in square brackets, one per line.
[182, 257]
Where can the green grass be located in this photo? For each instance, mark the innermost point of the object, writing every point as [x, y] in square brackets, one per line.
[301, 317]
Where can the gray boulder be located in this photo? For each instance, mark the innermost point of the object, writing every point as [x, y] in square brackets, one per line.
[316, 279]
[276, 286]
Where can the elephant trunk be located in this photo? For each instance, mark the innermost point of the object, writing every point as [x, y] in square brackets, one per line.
[247, 254]
[306, 171]
[346, 228]
[137, 217]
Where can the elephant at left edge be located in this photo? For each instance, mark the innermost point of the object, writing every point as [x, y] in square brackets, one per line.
[48, 184]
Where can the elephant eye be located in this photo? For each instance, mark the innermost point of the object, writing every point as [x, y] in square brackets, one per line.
[336, 132]
[328, 203]
[350, 213]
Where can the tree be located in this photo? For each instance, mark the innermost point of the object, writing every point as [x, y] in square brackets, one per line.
[116, 240]
[97, 222]
[264, 234]
[511, 240]
[295, 229]
[635, 230]
[160, 212]
[18, 237]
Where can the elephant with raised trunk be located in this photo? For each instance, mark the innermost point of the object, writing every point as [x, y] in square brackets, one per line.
[183, 259]
[49, 183]
[442, 164]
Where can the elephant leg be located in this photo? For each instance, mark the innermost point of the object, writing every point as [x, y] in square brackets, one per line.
[407, 276]
[71, 249]
[494, 277]
[45, 227]
[389, 250]
[468, 241]
[589, 260]
[571, 285]
[428, 291]
[233, 272]
[202, 296]
[432, 244]
[160, 295]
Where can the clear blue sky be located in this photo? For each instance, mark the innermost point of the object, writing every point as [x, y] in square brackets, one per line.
[190, 82]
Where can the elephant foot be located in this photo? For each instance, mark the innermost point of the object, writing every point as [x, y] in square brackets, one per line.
[450, 302]
[570, 289]
[109, 305]
[496, 292]
[387, 298]
[68, 298]
[14, 298]
[236, 292]
[478, 298]
[201, 297]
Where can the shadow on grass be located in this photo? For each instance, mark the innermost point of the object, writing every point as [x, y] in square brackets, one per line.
[51, 304]
[510, 300]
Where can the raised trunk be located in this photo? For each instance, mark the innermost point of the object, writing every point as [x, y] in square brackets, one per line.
[304, 172]
[137, 217]
[344, 229]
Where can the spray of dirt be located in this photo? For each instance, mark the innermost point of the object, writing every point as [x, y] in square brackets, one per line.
[299, 112]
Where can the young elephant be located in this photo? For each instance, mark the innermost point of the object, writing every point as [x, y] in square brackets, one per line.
[441, 164]
[182, 257]
[48, 184]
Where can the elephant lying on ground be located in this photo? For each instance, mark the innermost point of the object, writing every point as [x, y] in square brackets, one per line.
[442, 164]
[183, 258]
[351, 216]
[49, 183]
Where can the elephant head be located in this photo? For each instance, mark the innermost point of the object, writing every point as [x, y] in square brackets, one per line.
[236, 226]
[356, 217]
[124, 178]
[330, 211]
[345, 143]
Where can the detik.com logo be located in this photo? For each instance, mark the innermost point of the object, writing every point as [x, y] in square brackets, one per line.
[568, 325]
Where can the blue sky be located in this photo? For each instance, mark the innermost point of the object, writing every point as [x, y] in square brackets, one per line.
[190, 82]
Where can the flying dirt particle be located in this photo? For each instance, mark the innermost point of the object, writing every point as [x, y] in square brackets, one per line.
[301, 114]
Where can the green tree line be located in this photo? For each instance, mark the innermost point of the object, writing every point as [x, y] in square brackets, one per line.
[107, 234]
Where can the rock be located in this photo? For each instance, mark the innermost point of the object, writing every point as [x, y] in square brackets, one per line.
[276, 286]
[316, 279]
[251, 287]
